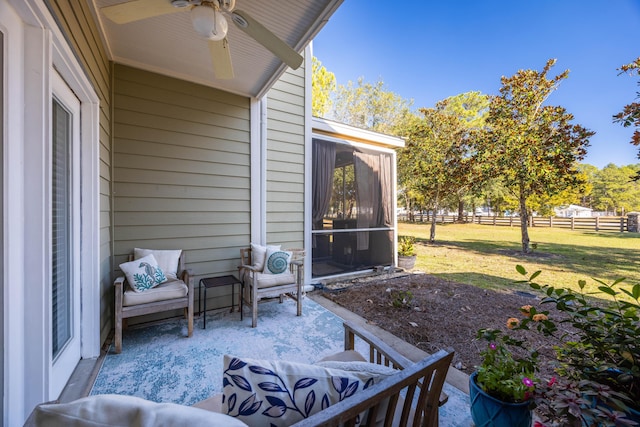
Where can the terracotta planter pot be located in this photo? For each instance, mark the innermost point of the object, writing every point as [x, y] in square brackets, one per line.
[487, 411]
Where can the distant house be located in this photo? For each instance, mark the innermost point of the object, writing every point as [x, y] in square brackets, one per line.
[573, 211]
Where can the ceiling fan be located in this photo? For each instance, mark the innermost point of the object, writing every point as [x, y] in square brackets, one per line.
[208, 19]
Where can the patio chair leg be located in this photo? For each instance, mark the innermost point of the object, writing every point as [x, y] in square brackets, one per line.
[189, 322]
[118, 335]
[254, 314]
[299, 296]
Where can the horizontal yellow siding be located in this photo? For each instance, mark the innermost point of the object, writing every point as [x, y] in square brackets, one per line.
[182, 172]
[285, 160]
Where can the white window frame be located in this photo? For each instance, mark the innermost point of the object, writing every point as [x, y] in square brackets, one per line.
[34, 48]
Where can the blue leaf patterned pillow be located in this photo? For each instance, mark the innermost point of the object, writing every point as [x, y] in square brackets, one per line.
[143, 274]
[277, 393]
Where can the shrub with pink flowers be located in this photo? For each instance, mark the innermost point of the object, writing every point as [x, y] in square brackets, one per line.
[598, 365]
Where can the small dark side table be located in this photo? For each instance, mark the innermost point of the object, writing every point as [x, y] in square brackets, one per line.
[214, 282]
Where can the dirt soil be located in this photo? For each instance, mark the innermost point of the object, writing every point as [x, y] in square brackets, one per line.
[433, 313]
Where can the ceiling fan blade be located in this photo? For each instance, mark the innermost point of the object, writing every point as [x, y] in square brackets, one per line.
[266, 38]
[136, 10]
[221, 59]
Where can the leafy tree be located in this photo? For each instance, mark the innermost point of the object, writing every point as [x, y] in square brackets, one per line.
[370, 106]
[533, 147]
[589, 172]
[435, 160]
[630, 115]
[545, 204]
[471, 109]
[323, 84]
[615, 191]
[498, 197]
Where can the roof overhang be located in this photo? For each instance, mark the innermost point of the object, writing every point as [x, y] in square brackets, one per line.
[333, 129]
[168, 44]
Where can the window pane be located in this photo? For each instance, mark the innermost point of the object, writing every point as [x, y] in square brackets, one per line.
[60, 239]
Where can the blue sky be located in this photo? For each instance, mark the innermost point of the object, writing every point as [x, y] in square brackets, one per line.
[430, 50]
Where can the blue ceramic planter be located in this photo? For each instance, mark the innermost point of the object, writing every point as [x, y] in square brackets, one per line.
[634, 415]
[487, 411]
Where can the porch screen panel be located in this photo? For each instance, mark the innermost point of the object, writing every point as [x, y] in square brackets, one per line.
[61, 228]
[355, 230]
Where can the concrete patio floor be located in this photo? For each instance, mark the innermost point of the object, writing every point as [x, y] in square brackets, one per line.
[82, 381]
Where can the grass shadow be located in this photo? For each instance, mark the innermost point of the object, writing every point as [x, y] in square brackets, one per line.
[590, 261]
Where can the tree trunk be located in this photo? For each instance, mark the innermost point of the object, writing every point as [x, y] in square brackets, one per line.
[434, 216]
[524, 224]
[460, 210]
[432, 235]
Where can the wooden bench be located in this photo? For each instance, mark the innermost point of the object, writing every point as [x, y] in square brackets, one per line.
[422, 381]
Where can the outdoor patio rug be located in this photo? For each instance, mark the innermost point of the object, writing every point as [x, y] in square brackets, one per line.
[159, 363]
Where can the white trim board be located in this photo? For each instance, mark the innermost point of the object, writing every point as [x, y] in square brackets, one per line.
[35, 47]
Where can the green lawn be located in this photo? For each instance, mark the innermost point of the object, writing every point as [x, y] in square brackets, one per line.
[486, 256]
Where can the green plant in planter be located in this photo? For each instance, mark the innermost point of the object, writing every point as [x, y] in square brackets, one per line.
[406, 246]
[503, 374]
[502, 387]
[605, 350]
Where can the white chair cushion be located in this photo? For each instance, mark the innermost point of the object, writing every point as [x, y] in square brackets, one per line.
[115, 410]
[279, 393]
[269, 280]
[276, 261]
[343, 356]
[167, 259]
[258, 253]
[213, 403]
[143, 273]
[170, 289]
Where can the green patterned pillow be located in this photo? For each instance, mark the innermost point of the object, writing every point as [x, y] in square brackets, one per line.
[276, 261]
[143, 273]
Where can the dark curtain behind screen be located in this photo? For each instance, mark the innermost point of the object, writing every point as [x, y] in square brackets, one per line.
[373, 193]
[324, 161]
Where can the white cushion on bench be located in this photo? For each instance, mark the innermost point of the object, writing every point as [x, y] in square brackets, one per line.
[116, 410]
[168, 290]
[270, 280]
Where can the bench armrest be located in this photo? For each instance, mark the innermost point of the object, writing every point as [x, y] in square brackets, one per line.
[379, 352]
[429, 372]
